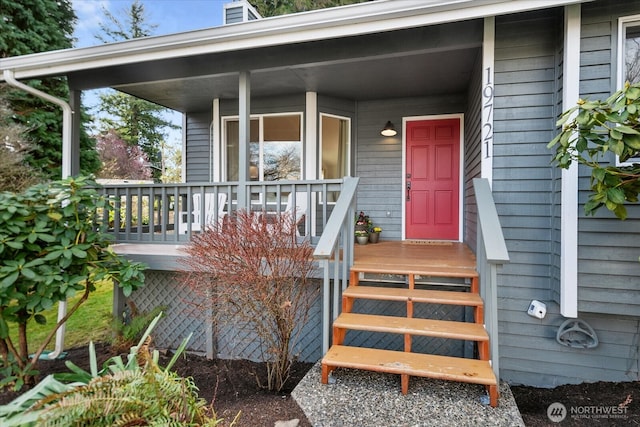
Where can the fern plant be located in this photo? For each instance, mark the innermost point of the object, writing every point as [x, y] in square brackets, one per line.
[125, 392]
[129, 329]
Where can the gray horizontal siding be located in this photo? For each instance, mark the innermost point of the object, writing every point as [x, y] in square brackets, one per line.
[198, 150]
[554, 364]
[524, 121]
[527, 192]
[608, 269]
[234, 14]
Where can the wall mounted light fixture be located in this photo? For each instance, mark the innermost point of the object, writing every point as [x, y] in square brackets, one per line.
[388, 130]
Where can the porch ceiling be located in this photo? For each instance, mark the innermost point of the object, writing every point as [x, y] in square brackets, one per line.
[388, 76]
[409, 62]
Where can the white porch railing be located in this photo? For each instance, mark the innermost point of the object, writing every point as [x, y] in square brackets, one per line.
[491, 254]
[167, 213]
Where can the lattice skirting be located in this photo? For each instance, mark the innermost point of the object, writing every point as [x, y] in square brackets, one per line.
[230, 341]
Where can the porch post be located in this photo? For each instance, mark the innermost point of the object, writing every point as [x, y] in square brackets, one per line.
[74, 152]
[244, 123]
[310, 147]
[215, 162]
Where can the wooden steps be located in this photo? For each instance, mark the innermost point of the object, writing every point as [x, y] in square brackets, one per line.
[407, 363]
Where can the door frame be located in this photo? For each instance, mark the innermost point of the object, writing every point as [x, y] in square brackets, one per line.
[405, 120]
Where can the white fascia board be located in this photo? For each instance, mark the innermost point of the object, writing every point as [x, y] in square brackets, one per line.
[569, 192]
[345, 21]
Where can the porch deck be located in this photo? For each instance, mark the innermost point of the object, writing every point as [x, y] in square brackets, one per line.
[451, 259]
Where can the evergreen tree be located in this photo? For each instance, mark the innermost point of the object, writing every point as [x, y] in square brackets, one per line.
[15, 174]
[31, 26]
[138, 122]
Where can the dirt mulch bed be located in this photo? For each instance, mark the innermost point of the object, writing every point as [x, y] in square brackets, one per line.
[587, 404]
[232, 387]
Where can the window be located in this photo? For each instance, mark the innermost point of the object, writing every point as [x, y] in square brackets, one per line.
[334, 141]
[629, 59]
[630, 52]
[275, 147]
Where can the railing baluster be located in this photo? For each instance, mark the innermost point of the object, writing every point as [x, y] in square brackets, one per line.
[177, 203]
[139, 210]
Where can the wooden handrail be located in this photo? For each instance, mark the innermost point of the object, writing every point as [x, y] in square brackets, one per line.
[495, 247]
[338, 233]
[337, 220]
[491, 253]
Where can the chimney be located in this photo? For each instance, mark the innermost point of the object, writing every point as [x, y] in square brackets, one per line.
[239, 11]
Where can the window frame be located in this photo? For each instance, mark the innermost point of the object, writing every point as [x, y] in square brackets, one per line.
[623, 23]
[320, 144]
[260, 117]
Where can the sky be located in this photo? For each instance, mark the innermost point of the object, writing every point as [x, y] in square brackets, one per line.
[170, 16]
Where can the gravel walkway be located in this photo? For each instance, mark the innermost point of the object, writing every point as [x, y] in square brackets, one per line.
[364, 399]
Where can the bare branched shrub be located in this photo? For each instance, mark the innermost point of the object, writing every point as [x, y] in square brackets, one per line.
[253, 274]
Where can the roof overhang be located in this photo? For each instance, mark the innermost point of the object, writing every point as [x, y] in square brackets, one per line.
[346, 21]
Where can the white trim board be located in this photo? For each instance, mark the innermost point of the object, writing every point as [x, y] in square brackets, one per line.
[569, 208]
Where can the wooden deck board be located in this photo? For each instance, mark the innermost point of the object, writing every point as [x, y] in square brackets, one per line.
[414, 364]
[415, 295]
[412, 326]
[444, 259]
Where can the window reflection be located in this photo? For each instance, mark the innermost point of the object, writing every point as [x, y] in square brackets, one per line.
[632, 54]
[274, 153]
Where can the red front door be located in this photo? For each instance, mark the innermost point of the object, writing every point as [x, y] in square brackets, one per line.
[432, 186]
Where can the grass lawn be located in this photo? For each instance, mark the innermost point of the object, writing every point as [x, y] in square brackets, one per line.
[91, 322]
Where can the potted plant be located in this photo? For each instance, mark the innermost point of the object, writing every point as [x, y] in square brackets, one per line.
[374, 234]
[362, 237]
[363, 223]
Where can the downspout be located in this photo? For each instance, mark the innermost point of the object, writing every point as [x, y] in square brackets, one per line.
[67, 118]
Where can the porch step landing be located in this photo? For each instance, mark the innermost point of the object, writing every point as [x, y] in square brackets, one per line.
[407, 363]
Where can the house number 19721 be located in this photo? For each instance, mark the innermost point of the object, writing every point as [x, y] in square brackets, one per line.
[487, 107]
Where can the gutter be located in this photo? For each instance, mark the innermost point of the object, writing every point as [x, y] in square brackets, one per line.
[67, 117]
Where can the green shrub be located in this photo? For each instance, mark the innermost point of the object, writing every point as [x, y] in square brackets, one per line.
[51, 247]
